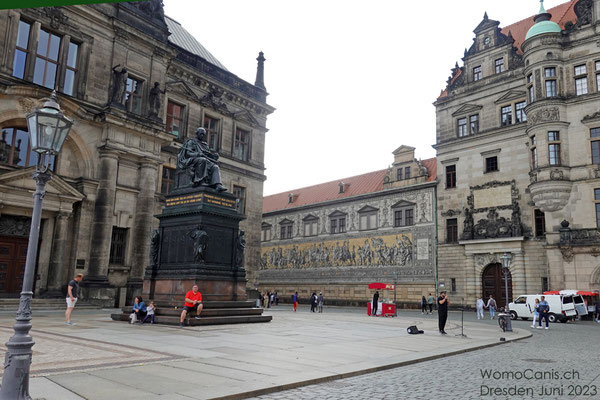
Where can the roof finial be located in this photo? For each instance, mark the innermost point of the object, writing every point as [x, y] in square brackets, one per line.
[485, 16]
[260, 71]
[542, 9]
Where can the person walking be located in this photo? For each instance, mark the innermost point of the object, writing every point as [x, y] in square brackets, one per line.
[598, 311]
[430, 300]
[536, 312]
[543, 310]
[443, 302]
[374, 304]
[320, 302]
[72, 291]
[423, 305]
[491, 304]
[479, 306]
[295, 301]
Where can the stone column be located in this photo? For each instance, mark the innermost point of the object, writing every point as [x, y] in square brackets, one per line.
[142, 225]
[57, 280]
[472, 278]
[103, 219]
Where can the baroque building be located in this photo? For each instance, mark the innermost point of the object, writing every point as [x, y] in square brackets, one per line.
[518, 153]
[339, 236]
[137, 85]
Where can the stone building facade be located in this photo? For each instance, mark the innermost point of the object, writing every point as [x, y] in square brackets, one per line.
[339, 236]
[518, 153]
[137, 85]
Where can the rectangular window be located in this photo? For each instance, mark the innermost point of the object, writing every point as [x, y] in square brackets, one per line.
[117, 245]
[46, 60]
[168, 180]
[474, 123]
[265, 235]
[133, 96]
[310, 227]
[550, 72]
[462, 127]
[597, 198]
[595, 134]
[286, 231]
[240, 195]
[581, 86]
[540, 223]
[554, 154]
[451, 230]
[598, 76]
[15, 149]
[506, 115]
[174, 118]
[531, 94]
[530, 78]
[553, 136]
[453, 284]
[491, 164]
[71, 69]
[398, 220]
[580, 70]
[399, 174]
[212, 129]
[520, 112]
[544, 284]
[21, 50]
[477, 73]
[241, 144]
[499, 65]
[534, 158]
[551, 88]
[408, 217]
[407, 173]
[368, 220]
[338, 224]
[450, 176]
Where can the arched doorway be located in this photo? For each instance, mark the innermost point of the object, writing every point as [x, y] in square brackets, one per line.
[493, 283]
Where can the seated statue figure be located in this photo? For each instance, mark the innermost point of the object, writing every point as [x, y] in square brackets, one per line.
[199, 162]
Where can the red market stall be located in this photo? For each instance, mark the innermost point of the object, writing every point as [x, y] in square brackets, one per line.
[384, 309]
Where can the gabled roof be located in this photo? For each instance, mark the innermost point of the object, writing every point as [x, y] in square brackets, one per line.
[182, 38]
[370, 182]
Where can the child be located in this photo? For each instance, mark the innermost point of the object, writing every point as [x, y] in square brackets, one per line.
[150, 313]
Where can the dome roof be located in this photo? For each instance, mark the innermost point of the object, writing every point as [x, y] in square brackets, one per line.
[542, 24]
[543, 27]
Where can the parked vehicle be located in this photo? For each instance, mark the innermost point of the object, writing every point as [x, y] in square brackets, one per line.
[562, 306]
[585, 303]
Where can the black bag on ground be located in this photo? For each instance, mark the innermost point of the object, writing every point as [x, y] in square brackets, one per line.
[413, 330]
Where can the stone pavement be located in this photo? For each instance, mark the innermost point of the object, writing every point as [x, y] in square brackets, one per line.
[102, 359]
[564, 348]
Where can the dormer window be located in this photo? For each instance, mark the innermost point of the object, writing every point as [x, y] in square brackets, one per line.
[342, 187]
[290, 198]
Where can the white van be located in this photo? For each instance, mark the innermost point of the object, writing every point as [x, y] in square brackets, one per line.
[561, 306]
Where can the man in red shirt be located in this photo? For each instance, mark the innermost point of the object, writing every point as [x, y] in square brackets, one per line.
[193, 301]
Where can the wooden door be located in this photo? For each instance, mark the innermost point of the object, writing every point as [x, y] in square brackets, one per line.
[493, 283]
[13, 254]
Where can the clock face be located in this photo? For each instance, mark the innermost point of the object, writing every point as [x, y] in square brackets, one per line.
[486, 41]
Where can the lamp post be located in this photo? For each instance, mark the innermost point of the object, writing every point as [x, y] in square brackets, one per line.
[506, 258]
[48, 129]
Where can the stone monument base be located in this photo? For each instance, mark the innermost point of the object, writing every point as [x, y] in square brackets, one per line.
[172, 291]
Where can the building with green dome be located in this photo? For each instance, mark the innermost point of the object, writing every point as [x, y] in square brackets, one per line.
[518, 158]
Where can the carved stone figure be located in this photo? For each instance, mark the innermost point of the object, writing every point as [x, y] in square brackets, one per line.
[516, 220]
[154, 243]
[240, 249]
[155, 100]
[492, 227]
[199, 162]
[200, 238]
[119, 85]
[468, 225]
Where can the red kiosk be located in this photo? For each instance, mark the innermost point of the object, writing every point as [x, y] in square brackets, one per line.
[383, 309]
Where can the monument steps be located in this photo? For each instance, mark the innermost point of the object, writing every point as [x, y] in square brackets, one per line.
[37, 304]
[213, 313]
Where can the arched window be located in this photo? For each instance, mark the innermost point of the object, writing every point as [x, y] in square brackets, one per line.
[15, 148]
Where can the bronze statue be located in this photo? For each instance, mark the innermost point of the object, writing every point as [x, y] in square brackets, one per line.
[119, 85]
[154, 242]
[200, 238]
[200, 163]
[240, 249]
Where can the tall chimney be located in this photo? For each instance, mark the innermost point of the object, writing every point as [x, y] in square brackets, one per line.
[260, 72]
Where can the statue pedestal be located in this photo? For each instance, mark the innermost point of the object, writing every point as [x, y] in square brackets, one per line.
[197, 244]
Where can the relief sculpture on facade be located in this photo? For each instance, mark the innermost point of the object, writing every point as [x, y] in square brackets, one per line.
[390, 250]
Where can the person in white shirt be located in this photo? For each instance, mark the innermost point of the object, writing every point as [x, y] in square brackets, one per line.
[479, 306]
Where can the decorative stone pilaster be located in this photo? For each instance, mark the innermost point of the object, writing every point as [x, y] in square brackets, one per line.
[142, 227]
[518, 275]
[102, 226]
[57, 279]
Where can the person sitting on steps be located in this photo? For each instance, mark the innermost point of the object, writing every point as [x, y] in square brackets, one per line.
[193, 301]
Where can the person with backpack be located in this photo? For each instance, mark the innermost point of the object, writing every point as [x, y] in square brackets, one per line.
[544, 312]
[430, 300]
[423, 305]
[491, 304]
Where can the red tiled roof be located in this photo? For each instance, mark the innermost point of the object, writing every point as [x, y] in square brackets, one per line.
[370, 182]
[561, 14]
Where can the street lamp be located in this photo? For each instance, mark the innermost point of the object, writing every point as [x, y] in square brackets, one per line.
[48, 129]
[506, 271]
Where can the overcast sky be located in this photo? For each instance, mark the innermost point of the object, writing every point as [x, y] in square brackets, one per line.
[351, 80]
